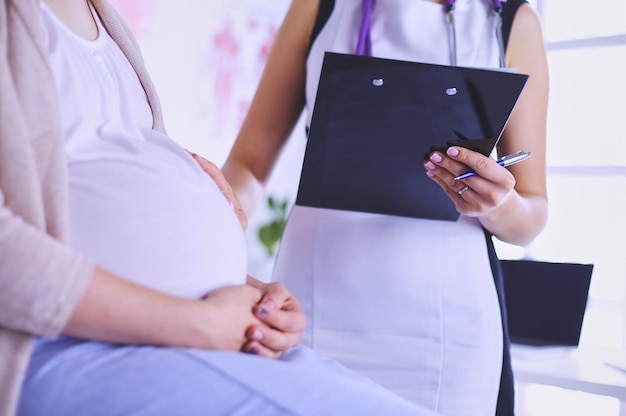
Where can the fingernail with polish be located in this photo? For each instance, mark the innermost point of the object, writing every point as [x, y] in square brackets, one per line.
[430, 165]
[257, 335]
[269, 304]
[436, 157]
[452, 151]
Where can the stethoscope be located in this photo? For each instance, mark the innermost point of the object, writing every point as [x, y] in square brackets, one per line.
[364, 43]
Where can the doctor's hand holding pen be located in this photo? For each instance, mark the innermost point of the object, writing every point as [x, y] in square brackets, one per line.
[479, 186]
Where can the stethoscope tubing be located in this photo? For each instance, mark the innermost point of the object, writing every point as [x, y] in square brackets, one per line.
[364, 44]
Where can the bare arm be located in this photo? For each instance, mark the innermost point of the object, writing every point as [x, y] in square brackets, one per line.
[275, 109]
[525, 214]
[116, 310]
[511, 202]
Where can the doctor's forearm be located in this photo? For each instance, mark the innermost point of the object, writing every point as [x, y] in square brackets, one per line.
[519, 221]
[246, 186]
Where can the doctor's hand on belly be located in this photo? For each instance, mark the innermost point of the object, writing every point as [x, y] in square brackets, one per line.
[216, 174]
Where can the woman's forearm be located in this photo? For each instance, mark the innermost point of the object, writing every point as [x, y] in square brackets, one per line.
[519, 220]
[117, 310]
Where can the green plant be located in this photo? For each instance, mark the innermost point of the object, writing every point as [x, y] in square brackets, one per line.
[271, 232]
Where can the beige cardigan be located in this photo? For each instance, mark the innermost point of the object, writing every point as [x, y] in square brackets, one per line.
[41, 279]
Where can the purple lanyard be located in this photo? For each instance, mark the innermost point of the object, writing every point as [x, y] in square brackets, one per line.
[364, 43]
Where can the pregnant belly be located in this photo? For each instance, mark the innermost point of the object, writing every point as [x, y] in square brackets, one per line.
[169, 229]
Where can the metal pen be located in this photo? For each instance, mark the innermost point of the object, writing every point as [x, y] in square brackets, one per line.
[504, 162]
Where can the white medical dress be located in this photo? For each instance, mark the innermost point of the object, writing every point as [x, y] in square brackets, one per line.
[410, 303]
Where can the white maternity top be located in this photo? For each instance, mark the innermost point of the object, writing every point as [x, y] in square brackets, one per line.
[409, 302]
[140, 206]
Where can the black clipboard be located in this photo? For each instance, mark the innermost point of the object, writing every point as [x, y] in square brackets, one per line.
[375, 120]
